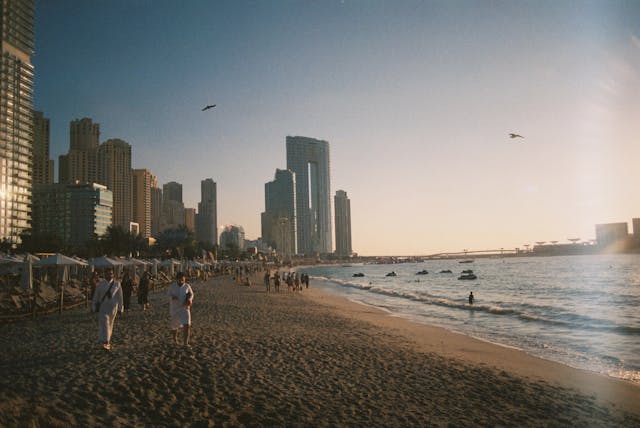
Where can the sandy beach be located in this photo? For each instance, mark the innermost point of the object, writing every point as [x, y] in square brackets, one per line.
[287, 359]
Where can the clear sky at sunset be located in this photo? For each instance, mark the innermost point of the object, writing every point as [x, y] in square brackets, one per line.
[416, 99]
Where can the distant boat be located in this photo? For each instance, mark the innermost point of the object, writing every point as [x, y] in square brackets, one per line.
[446, 271]
[422, 272]
[358, 275]
[392, 274]
[465, 261]
[468, 274]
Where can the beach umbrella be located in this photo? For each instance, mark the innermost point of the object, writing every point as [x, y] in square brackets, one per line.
[58, 260]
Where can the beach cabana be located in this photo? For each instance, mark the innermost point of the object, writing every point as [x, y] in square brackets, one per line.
[170, 263]
[58, 260]
[26, 276]
[104, 262]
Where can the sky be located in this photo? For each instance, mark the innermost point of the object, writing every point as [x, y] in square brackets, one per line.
[416, 99]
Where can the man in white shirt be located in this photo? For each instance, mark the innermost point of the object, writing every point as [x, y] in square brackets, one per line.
[107, 302]
[180, 298]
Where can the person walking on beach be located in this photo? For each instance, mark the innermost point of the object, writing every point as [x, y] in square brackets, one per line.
[127, 290]
[180, 300]
[276, 281]
[267, 280]
[143, 291]
[107, 302]
[471, 298]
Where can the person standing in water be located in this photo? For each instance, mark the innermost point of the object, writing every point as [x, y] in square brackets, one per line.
[471, 298]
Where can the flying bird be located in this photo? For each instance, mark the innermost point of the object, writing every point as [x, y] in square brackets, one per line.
[515, 136]
[208, 107]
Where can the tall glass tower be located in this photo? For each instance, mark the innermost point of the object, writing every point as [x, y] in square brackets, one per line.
[308, 158]
[207, 224]
[16, 117]
[342, 206]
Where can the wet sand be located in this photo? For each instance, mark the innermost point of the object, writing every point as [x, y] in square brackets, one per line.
[287, 359]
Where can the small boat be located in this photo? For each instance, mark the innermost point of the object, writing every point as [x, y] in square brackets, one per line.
[422, 272]
[465, 261]
[392, 273]
[446, 271]
[468, 274]
[358, 275]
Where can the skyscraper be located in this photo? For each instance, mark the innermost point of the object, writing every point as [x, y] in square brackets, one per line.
[342, 206]
[42, 165]
[16, 120]
[279, 216]
[172, 206]
[114, 171]
[81, 163]
[156, 211]
[143, 182]
[308, 158]
[207, 225]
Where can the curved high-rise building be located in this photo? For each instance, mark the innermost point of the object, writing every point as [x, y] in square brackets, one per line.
[16, 117]
[308, 158]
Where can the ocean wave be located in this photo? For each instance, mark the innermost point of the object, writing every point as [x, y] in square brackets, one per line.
[564, 319]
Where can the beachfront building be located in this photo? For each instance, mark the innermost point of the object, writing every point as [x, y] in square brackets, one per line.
[156, 211]
[232, 237]
[16, 117]
[612, 236]
[190, 219]
[172, 206]
[207, 219]
[279, 217]
[342, 206]
[75, 213]
[308, 158]
[42, 164]
[143, 182]
[114, 171]
[80, 164]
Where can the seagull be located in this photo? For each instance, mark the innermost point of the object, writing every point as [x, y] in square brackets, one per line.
[515, 136]
[208, 107]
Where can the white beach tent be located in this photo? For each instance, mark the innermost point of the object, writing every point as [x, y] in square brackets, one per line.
[26, 276]
[154, 267]
[104, 262]
[171, 263]
[58, 260]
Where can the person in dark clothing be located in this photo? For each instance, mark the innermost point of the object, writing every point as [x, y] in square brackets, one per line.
[143, 291]
[471, 298]
[127, 289]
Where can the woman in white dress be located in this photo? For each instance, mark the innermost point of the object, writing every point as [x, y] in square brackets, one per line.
[180, 298]
[107, 302]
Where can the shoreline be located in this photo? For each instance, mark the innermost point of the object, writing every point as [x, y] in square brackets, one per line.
[286, 359]
[427, 338]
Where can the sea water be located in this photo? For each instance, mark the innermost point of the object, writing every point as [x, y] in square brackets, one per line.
[582, 311]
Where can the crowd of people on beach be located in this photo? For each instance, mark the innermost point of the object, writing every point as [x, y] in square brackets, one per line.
[111, 296]
[294, 281]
